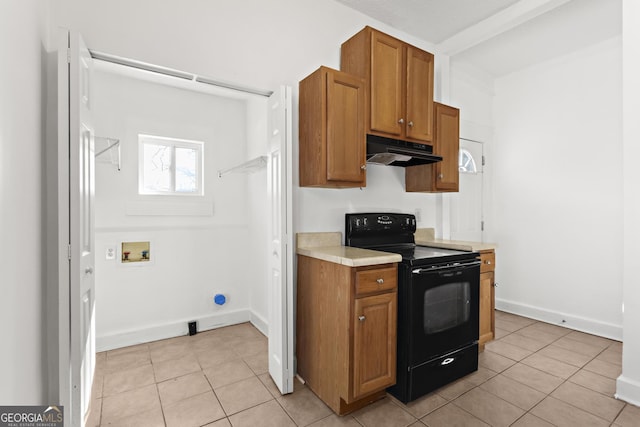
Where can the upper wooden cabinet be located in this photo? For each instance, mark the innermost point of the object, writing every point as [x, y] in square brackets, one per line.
[399, 80]
[441, 176]
[332, 135]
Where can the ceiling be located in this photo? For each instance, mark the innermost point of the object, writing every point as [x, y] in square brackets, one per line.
[500, 36]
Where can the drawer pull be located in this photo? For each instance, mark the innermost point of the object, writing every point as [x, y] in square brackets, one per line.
[361, 318]
[380, 281]
[488, 262]
[447, 361]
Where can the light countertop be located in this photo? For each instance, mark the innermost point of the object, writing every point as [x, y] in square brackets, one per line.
[352, 257]
[327, 246]
[425, 237]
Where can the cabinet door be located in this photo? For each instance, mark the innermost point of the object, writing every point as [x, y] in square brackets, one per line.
[447, 145]
[443, 175]
[346, 150]
[487, 314]
[419, 95]
[386, 84]
[374, 337]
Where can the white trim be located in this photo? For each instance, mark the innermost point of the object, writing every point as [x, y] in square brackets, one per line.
[169, 228]
[501, 22]
[260, 323]
[64, 273]
[168, 208]
[175, 329]
[583, 324]
[628, 390]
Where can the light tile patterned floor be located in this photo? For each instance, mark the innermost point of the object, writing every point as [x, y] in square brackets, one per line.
[533, 374]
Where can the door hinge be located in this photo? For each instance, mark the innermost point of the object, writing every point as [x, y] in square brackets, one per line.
[68, 56]
[481, 225]
[483, 161]
[69, 252]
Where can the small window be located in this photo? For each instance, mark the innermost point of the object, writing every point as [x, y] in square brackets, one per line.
[169, 166]
[466, 162]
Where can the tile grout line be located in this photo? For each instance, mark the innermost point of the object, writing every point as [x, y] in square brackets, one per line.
[564, 381]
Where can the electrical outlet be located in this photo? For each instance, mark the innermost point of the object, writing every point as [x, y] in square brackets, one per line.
[193, 329]
[111, 253]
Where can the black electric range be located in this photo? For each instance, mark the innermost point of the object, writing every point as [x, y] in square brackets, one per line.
[438, 298]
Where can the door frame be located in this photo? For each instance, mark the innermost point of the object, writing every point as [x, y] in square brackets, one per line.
[67, 395]
[63, 246]
[74, 371]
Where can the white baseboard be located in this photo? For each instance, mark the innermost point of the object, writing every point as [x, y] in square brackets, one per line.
[176, 329]
[260, 323]
[590, 326]
[628, 390]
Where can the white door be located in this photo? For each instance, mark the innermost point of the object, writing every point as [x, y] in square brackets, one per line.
[466, 205]
[76, 195]
[280, 235]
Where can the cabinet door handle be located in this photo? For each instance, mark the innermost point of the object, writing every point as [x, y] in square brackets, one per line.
[440, 176]
[380, 281]
[401, 121]
[410, 124]
[361, 318]
[488, 262]
[363, 167]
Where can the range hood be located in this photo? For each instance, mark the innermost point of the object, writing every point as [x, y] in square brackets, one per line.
[394, 152]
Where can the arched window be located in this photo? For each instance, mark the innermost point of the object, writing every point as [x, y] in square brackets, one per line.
[466, 162]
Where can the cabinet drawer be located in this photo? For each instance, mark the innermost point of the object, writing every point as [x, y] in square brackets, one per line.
[376, 280]
[488, 260]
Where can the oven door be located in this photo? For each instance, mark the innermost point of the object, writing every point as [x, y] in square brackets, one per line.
[444, 309]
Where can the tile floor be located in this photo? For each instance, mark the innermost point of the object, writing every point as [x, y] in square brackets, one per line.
[533, 374]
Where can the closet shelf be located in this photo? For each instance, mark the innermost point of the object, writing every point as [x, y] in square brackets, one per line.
[246, 167]
[109, 149]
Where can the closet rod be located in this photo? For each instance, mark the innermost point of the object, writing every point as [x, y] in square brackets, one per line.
[176, 73]
[246, 167]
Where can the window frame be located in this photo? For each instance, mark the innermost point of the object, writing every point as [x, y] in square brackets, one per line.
[173, 143]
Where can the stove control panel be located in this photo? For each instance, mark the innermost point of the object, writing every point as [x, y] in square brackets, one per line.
[369, 226]
[382, 221]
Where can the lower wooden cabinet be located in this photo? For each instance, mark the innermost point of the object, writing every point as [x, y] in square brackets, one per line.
[346, 331]
[374, 343]
[487, 297]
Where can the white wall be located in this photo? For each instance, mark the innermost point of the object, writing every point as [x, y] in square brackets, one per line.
[22, 163]
[628, 385]
[557, 190]
[257, 245]
[259, 44]
[250, 42]
[193, 255]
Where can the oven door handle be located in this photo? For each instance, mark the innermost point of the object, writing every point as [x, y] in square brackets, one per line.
[453, 267]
